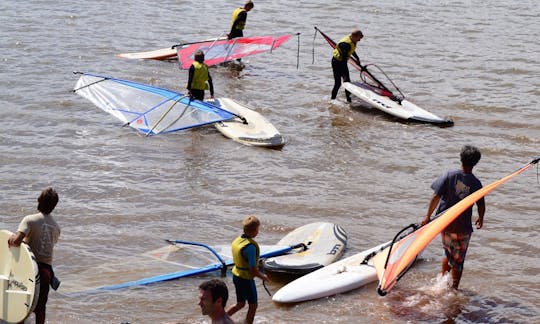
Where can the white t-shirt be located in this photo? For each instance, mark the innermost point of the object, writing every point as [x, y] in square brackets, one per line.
[41, 233]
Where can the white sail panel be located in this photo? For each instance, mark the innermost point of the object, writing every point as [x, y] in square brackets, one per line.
[150, 110]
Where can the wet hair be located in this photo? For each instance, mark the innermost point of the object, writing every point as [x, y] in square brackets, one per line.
[199, 56]
[250, 223]
[470, 155]
[249, 3]
[217, 289]
[47, 200]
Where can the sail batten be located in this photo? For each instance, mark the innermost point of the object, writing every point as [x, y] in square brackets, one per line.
[148, 109]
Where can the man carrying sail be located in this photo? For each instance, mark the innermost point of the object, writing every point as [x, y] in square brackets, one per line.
[199, 78]
[449, 189]
[342, 52]
[239, 17]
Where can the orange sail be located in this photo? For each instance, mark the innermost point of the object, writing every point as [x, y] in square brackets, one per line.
[395, 260]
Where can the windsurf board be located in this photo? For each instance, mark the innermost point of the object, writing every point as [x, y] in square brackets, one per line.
[325, 244]
[19, 280]
[159, 54]
[404, 109]
[169, 53]
[256, 131]
[339, 277]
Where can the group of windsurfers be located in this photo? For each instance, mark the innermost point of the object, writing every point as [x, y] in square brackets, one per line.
[41, 231]
[449, 188]
[199, 78]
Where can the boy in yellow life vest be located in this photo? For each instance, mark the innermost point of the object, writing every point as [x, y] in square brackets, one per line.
[342, 52]
[199, 78]
[238, 21]
[246, 253]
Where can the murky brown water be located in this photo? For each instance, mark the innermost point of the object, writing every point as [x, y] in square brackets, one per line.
[122, 194]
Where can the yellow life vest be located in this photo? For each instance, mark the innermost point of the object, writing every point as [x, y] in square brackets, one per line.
[235, 14]
[241, 265]
[337, 52]
[200, 76]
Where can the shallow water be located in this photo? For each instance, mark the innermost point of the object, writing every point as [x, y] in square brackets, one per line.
[122, 194]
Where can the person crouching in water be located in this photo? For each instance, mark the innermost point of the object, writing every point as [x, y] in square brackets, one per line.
[199, 78]
[246, 254]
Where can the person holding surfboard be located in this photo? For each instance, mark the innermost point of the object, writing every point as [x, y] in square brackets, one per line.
[40, 231]
[213, 296]
[199, 78]
[238, 20]
[246, 252]
[449, 189]
[344, 49]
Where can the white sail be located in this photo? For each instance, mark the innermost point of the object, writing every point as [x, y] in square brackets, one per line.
[148, 109]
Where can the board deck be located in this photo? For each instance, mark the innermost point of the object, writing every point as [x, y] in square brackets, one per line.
[406, 110]
[325, 243]
[19, 280]
[257, 132]
[159, 54]
[339, 277]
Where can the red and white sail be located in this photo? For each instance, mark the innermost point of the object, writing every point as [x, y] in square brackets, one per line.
[225, 50]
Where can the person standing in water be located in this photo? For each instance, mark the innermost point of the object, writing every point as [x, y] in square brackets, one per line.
[340, 57]
[40, 231]
[213, 296]
[199, 78]
[246, 252]
[238, 20]
[449, 189]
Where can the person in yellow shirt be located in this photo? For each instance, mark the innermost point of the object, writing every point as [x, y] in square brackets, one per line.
[246, 254]
[199, 78]
[342, 52]
[239, 17]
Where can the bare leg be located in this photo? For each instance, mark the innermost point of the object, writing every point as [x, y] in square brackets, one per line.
[235, 308]
[445, 266]
[250, 316]
[456, 277]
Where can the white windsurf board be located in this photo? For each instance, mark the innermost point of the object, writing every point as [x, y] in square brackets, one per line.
[19, 280]
[258, 131]
[159, 54]
[404, 110]
[325, 244]
[339, 277]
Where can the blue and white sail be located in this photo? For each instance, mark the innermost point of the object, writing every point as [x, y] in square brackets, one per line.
[150, 110]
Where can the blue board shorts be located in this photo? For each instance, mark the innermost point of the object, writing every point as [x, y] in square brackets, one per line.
[245, 290]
